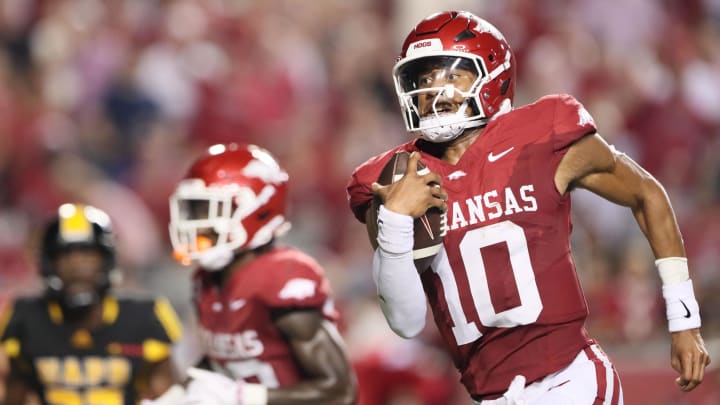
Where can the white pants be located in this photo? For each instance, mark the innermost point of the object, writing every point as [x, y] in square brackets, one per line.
[590, 379]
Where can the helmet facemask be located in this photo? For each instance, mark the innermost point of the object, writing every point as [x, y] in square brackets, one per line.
[74, 301]
[434, 121]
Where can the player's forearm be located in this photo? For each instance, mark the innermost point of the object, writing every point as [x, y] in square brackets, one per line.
[400, 293]
[313, 392]
[16, 392]
[330, 376]
[656, 219]
[158, 378]
[400, 290]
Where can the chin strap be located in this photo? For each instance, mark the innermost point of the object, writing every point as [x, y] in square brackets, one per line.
[438, 128]
[215, 258]
[443, 127]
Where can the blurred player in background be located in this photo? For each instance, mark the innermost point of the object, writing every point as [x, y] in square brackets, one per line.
[266, 317]
[79, 343]
[503, 289]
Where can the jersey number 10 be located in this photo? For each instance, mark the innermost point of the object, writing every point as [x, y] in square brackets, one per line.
[471, 244]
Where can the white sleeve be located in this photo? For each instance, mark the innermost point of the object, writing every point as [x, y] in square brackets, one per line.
[400, 290]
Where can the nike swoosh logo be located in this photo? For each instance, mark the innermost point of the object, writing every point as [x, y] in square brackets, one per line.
[687, 311]
[558, 385]
[492, 157]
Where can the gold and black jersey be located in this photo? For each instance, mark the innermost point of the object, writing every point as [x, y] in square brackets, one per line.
[74, 366]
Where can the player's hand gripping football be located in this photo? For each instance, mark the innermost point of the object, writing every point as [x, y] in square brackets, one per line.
[689, 358]
[414, 194]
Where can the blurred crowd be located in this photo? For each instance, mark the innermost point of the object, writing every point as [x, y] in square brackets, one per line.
[107, 102]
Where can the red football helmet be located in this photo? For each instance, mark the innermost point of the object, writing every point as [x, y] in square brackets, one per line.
[232, 199]
[448, 42]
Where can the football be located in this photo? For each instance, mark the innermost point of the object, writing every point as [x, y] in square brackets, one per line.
[430, 228]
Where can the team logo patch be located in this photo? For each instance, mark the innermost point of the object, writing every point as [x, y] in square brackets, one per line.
[298, 288]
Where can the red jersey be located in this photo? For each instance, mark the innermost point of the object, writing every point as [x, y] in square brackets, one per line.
[236, 326]
[503, 290]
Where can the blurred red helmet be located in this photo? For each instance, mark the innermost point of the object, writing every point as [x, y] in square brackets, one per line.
[452, 40]
[232, 199]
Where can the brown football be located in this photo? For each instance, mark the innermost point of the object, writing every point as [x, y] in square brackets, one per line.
[429, 228]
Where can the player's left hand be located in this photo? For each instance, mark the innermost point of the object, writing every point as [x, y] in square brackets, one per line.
[688, 357]
[210, 388]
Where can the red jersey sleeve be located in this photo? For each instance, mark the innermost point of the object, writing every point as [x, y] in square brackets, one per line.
[358, 191]
[297, 281]
[571, 122]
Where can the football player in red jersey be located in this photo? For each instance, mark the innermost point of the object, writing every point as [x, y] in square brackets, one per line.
[266, 317]
[81, 343]
[503, 289]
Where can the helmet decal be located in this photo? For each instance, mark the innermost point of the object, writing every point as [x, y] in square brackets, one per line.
[260, 170]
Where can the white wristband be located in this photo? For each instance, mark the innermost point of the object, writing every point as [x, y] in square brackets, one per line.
[673, 270]
[681, 307]
[395, 232]
[252, 394]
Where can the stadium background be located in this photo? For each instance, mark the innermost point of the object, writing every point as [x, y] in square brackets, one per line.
[106, 102]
